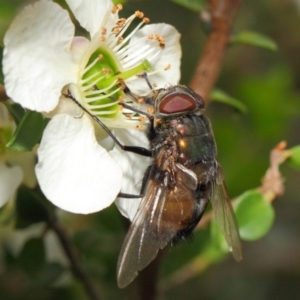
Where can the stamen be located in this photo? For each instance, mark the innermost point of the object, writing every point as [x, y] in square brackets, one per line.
[103, 96]
[87, 87]
[116, 48]
[99, 58]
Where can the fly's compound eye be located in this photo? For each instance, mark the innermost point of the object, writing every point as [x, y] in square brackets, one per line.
[176, 103]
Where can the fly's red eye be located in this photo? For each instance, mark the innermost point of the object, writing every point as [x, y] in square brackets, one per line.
[175, 103]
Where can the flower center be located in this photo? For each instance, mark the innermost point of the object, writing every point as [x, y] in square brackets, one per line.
[111, 57]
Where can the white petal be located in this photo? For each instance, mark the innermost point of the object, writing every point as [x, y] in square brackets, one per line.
[91, 14]
[10, 179]
[133, 166]
[37, 60]
[74, 171]
[171, 55]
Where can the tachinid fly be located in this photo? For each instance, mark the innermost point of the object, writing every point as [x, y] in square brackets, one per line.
[177, 187]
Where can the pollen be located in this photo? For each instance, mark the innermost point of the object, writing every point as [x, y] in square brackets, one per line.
[105, 71]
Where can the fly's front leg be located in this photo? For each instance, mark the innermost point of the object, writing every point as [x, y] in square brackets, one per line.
[134, 149]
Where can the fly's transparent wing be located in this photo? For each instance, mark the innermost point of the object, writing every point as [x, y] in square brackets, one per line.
[163, 212]
[225, 217]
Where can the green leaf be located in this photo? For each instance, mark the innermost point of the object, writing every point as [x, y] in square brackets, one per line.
[254, 214]
[51, 273]
[31, 207]
[32, 258]
[193, 5]
[28, 133]
[16, 110]
[294, 157]
[218, 239]
[220, 96]
[254, 39]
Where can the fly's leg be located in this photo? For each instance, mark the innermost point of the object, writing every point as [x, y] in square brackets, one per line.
[142, 193]
[134, 149]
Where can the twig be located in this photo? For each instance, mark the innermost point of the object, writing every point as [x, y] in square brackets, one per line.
[76, 268]
[222, 14]
[3, 96]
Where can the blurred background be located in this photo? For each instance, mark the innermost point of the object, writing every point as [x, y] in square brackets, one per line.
[268, 84]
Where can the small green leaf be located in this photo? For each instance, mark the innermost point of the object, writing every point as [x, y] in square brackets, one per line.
[32, 258]
[254, 39]
[193, 5]
[31, 207]
[218, 239]
[28, 132]
[220, 96]
[254, 214]
[16, 110]
[294, 157]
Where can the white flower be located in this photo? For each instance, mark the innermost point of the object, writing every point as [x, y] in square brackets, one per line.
[44, 61]
[15, 167]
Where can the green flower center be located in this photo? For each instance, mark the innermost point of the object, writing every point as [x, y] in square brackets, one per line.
[100, 83]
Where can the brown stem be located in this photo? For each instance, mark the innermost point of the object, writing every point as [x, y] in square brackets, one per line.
[76, 268]
[222, 13]
[3, 96]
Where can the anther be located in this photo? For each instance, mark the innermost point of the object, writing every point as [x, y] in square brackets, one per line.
[140, 100]
[119, 6]
[103, 30]
[114, 9]
[116, 30]
[150, 110]
[102, 38]
[167, 67]
[146, 20]
[120, 38]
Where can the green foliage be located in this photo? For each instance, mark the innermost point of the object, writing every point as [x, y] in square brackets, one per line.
[294, 157]
[31, 207]
[254, 39]
[28, 133]
[16, 111]
[193, 5]
[32, 258]
[220, 96]
[254, 214]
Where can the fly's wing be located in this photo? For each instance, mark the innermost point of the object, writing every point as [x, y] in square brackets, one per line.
[154, 226]
[224, 215]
